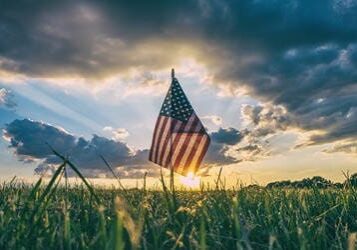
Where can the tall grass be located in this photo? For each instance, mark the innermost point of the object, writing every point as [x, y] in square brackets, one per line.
[38, 217]
[55, 216]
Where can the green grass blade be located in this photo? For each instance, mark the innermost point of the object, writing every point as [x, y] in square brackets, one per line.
[90, 188]
[113, 173]
[75, 169]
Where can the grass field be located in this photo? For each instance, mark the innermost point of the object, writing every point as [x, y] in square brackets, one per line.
[51, 216]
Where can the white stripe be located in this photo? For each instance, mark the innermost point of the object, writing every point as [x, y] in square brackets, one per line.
[188, 150]
[153, 149]
[198, 153]
[181, 140]
[164, 135]
[168, 148]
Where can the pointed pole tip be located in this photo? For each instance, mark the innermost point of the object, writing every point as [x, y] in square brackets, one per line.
[172, 73]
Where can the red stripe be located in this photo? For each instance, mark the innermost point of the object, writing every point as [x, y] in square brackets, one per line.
[167, 160]
[164, 143]
[201, 149]
[153, 138]
[154, 147]
[173, 146]
[188, 162]
[193, 146]
[203, 152]
[182, 140]
[159, 138]
[179, 135]
[165, 137]
[184, 147]
[199, 128]
[177, 148]
[167, 141]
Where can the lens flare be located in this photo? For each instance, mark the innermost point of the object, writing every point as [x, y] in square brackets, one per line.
[190, 180]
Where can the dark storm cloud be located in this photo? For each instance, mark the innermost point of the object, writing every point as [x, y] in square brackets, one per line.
[318, 96]
[301, 55]
[228, 136]
[217, 154]
[86, 38]
[252, 152]
[229, 145]
[266, 120]
[28, 139]
[221, 142]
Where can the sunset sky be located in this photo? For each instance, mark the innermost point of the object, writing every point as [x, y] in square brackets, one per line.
[274, 82]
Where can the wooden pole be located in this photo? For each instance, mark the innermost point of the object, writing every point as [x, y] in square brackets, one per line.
[172, 73]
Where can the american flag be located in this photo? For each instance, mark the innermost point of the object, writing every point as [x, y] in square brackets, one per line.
[180, 141]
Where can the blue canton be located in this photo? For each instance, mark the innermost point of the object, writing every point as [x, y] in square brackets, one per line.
[176, 104]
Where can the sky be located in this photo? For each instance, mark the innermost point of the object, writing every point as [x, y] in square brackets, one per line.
[274, 83]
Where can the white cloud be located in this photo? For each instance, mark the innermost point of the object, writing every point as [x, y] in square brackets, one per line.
[6, 98]
[215, 119]
[118, 134]
[107, 129]
[3, 94]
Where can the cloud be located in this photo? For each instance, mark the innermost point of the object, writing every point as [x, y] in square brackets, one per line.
[346, 147]
[221, 143]
[28, 140]
[87, 40]
[229, 145]
[252, 152]
[265, 120]
[108, 129]
[215, 119]
[299, 55]
[119, 134]
[264, 133]
[6, 98]
[229, 136]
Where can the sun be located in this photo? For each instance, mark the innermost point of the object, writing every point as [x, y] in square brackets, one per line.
[190, 180]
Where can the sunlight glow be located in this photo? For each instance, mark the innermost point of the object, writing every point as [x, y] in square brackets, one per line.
[190, 181]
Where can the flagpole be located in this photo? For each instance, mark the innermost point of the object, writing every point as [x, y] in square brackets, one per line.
[172, 74]
[171, 166]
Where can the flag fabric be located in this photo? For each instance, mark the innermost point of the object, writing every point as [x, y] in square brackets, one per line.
[180, 141]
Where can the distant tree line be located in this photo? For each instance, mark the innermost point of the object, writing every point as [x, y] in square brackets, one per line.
[316, 181]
